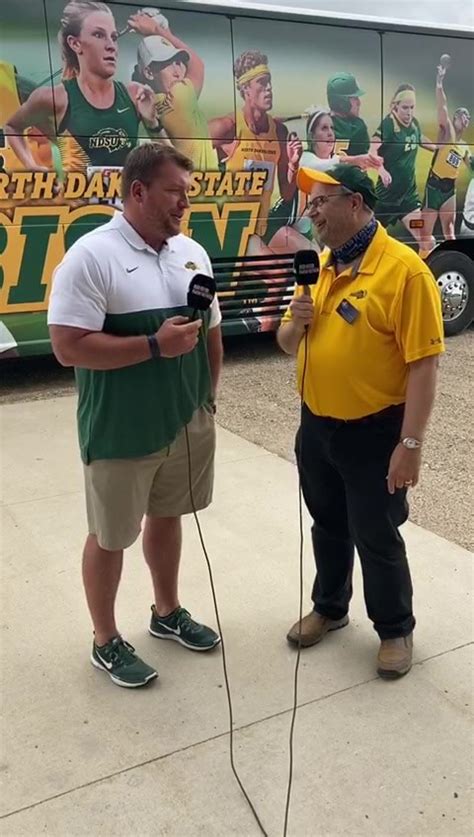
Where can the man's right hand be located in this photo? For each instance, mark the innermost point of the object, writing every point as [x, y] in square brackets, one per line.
[302, 310]
[178, 336]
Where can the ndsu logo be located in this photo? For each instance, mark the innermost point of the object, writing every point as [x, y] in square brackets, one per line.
[113, 139]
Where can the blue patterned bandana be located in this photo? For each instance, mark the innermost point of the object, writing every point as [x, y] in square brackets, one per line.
[356, 245]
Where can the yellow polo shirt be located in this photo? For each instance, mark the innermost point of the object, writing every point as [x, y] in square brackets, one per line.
[357, 369]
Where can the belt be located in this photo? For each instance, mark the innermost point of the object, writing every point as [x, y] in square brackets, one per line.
[392, 411]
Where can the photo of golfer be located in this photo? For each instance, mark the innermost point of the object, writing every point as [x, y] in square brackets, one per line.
[175, 73]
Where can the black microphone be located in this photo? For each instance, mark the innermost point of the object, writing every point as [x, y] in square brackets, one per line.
[306, 268]
[201, 292]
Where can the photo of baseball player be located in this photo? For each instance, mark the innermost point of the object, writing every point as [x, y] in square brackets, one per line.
[397, 141]
[255, 141]
[440, 194]
[176, 74]
[351, 132]
[94, 117]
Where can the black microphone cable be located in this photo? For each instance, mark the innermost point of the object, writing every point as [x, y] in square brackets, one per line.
[214, 599]
[216, 607]
[301, 586]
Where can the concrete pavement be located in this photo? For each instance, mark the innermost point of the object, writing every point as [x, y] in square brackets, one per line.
[81, 756]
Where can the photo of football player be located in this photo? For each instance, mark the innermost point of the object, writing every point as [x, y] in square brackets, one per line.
[397, 141]
[95, 118]
[176, 74]
[440, 194]
[255, 141]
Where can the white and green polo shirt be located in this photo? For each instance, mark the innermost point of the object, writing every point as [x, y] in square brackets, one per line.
[111, 280]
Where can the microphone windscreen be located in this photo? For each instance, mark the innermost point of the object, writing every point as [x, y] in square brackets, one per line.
[201, 292]
[306, 267]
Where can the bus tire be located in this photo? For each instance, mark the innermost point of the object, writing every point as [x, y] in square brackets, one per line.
[454, 274]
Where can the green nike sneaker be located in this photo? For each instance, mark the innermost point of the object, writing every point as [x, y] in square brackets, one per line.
[118, 659]
[180, 627]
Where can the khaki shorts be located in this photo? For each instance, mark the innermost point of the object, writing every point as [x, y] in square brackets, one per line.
[119, 492]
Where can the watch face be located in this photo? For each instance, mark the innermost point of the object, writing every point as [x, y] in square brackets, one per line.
[412, 444]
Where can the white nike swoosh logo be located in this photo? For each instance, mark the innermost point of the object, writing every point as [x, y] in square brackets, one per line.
[104, 662]
[122, 110]
[176, 631]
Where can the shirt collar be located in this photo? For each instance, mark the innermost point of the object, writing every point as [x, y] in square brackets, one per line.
[370, 259]
[129, 233]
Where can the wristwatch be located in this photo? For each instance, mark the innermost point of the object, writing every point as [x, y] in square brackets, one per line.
[153, 346]
[410, 443]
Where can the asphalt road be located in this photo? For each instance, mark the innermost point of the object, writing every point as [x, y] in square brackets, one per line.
[258, 401]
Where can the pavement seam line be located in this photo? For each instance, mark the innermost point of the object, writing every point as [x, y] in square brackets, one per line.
[79, 490]
[180, 750]
[244, 459]
[213, 738]
[42, 499]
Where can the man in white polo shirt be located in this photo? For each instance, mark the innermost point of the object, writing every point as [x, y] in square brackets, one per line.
[145, 371]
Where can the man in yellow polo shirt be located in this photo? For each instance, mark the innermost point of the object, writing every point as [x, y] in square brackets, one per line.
[374, 333]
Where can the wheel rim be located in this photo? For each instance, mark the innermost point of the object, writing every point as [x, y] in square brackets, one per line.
[454, 294]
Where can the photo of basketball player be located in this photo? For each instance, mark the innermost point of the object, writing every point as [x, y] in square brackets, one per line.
[397, 141]
[440, 195]
[255, 141]
[176, 74]
[95, 118]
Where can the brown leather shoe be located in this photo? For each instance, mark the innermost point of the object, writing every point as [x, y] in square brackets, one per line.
[313, 628]
[395, 657]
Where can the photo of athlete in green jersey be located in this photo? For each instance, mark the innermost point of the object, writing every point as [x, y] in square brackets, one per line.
[94, 117]
[396, 141]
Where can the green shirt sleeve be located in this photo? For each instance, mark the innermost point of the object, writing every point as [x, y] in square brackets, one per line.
[362, 137]
[388, 130]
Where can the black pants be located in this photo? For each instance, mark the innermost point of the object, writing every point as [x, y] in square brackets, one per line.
[343, 468]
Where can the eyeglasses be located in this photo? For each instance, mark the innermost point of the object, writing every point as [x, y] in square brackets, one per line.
[318, 202]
